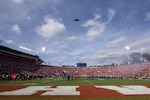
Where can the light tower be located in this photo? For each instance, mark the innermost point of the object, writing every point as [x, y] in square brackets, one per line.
[128, 48]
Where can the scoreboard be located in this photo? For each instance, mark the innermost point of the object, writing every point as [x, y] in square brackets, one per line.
[81, 64]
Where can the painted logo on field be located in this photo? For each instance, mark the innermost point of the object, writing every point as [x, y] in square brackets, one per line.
[128, 90]
[59, 90]
[78, 90]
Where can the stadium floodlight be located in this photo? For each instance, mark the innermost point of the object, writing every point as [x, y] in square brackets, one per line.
[27, 49]
[43, 49]
[128, 48]
[20, 47]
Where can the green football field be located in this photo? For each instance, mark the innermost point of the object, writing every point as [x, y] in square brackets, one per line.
[60, 81]
[80, 82]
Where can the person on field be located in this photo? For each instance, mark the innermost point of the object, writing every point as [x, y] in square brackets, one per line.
[68, 77]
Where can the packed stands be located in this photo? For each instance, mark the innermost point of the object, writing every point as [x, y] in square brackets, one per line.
[18, 65]
[126, 71]
[14, 62]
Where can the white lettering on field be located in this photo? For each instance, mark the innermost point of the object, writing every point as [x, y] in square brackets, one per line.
[59, 90]
[128, 90]
[63, 90]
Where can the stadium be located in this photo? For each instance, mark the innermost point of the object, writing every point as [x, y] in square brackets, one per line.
[24, 77]
[74, 49]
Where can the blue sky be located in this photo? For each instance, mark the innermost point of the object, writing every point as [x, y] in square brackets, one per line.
[45, 28]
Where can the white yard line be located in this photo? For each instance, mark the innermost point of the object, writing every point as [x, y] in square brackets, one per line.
[29, 83]
[89, 82]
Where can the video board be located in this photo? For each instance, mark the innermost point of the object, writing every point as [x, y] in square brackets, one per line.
[81, 64]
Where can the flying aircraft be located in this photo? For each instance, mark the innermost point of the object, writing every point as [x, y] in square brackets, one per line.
[76, 20]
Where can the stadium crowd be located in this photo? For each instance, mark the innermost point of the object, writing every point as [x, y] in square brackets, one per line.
[20, 67]
[27, 70]
[125, 71]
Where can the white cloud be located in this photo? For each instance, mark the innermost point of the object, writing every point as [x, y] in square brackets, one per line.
[50, 28]
[147, 16]
[18, 1]
[96, 27]
[72, 38]
[96, 59]
[105, 57]
[28, 17]
[16, 28]
[77, 52]
[10, 42]
[93, 22]
[98, 9]
[111, 14]
[116, 42]
[140, 43]
[63, 47]
[148, 1]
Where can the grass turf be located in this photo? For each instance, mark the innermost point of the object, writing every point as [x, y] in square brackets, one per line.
[65, 82]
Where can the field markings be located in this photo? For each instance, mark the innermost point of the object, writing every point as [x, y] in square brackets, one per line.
[48, 90]
[128, 89]
[89, 82]
[88, 91]
[45, 81]
[29, 83]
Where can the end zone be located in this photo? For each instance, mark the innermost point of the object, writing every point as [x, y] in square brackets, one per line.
[76, 91]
